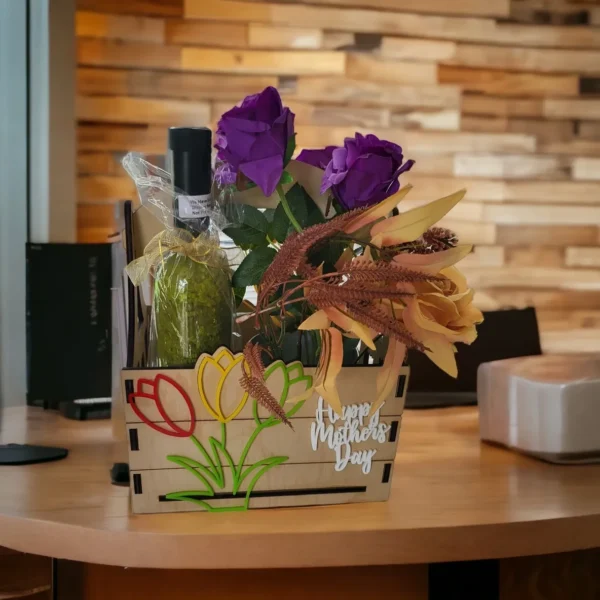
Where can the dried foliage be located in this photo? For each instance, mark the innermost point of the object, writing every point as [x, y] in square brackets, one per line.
[323, 295]
[255, 386]
[381, 271]
[252, 354]
[375, 318]
[293, 251]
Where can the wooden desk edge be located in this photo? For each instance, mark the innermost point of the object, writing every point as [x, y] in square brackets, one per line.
[295, 550]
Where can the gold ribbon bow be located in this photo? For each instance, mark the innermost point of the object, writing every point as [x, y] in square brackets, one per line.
[200, 249]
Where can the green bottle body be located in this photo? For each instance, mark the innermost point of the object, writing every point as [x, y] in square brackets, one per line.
[192, 310]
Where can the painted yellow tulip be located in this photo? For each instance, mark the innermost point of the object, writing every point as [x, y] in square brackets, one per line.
[218, 384]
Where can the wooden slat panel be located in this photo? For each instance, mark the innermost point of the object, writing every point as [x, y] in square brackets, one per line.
[547, 12]
[262, 62]
[367, 93]
[372, 21]
[199, 33]
[370, 68]
[555, 235]
[333, 40]
[163, 8]
[579, 256]
[96, 217]
[107, 53]
[274, 441]
[522, 214]
[350, 385]
[417, 50]
[334, 115]
[575, 147]
[472, 233]
[554, 36]
[582, 108]
[135, 29]
[589, 130]
[283, 477]
[505, 83]
[102, 188]
[441, 120]
[484, 256]
[270, 36]
[114, 138]
[564, 192]
[426, 141]
[512, 166]
[187, 86]
[442, 164]
[537, 277]
[544, 299]
[586, 168]
[562, 320]
[543, 192]
[574, 341]
[94, 235]
[497, 8]
[527, 59]
[475, 104]
[429, 188]
[535, 256]
[545, 131]
[99, 163]
[121, 109]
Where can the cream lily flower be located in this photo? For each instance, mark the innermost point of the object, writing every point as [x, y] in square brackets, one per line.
[440, 314]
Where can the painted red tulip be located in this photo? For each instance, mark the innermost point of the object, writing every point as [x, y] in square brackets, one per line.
[150, 389]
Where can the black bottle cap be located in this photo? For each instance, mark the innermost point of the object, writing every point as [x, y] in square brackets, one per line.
[190, 150]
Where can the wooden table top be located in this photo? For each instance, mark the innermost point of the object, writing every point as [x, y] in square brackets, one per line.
[453, 498]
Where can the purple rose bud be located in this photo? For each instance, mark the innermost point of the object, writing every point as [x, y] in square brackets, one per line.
[253, 137]
[364, 172]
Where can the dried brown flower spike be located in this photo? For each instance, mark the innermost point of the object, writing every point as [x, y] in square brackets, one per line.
[255, 386]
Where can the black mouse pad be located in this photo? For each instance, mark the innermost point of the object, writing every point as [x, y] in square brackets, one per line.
[22, 454]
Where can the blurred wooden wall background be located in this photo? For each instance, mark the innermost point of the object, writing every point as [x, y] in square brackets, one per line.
[501, 96]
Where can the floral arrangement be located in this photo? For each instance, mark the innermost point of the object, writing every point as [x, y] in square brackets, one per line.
[336, 264]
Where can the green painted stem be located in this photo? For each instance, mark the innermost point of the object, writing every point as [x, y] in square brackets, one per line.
[286, 208]
[204, 453]
[244, 454]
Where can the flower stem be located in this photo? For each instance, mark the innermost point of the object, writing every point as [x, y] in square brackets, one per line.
[286, 208]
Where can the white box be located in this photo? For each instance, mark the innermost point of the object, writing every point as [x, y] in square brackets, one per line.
[547, 406]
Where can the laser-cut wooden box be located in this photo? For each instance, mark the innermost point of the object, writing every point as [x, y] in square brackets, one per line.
[198, 442]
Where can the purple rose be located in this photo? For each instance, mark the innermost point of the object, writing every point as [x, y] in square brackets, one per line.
[364, 171]
[253, 138]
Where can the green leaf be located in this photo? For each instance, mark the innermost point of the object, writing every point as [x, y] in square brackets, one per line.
[250, 227]
[281, 225]
[253, 266]
[286, 178]
[197, 469]
[289, 150]
[327, 255]
[303, 207]
[238, 295]
[290, 413]
[269, 214]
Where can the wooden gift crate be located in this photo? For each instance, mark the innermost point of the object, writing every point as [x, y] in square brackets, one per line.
[198, 442]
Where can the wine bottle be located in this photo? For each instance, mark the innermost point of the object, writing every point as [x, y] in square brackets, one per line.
[192, 304]
[189, 162]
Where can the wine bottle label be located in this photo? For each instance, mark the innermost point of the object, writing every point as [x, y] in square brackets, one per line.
[192, 207]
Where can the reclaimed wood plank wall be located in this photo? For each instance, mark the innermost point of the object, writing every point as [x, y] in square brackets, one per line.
[502, 96]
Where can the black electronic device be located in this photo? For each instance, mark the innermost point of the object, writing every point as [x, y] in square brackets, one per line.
[503, 334]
